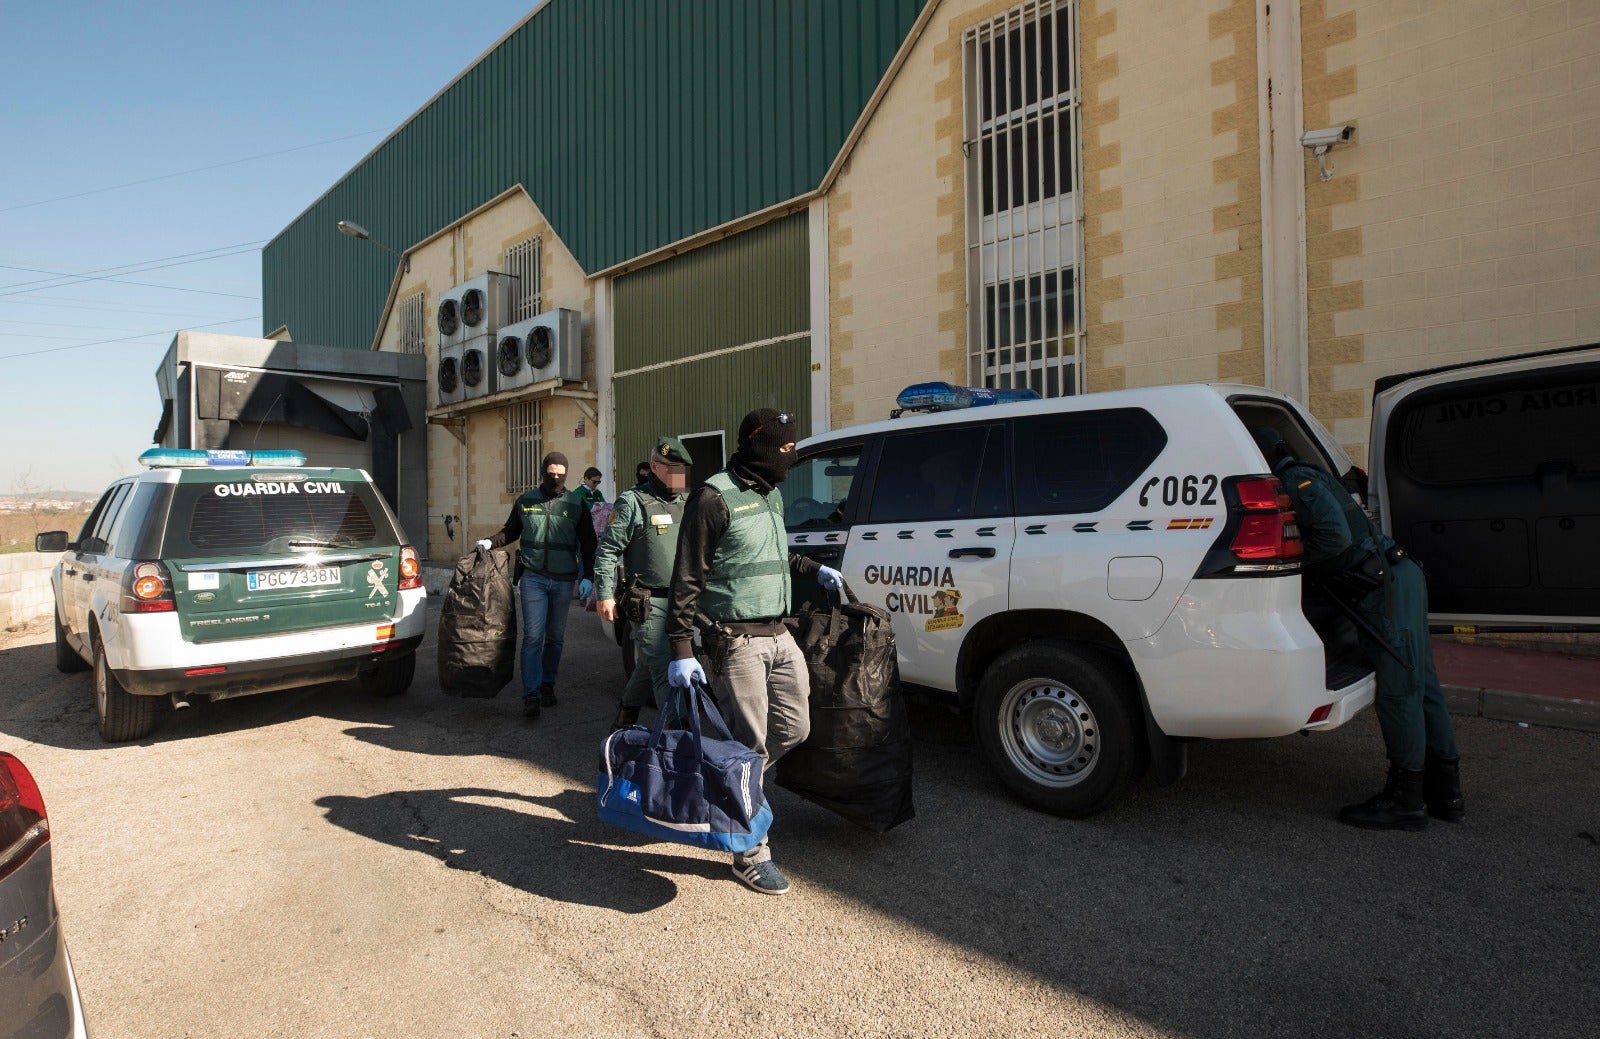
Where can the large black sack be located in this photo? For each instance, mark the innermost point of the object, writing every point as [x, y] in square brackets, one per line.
[857, 760]
[478, 626]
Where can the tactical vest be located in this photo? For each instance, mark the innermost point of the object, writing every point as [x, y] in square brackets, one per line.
[651, 553]
[749, 576]
[550, 533]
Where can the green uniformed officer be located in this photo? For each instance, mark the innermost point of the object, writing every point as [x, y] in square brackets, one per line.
[733, 567]
[643, 535]
[1350, 558]
[556, 546]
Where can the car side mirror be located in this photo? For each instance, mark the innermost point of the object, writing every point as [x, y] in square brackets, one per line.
[50, 541]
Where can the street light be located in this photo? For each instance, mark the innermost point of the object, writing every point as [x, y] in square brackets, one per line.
[355, 230]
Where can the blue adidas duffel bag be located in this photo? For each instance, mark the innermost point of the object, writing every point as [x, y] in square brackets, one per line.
[676, 785]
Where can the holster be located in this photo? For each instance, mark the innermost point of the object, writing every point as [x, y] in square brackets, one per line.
[636, 602]
[1356, 581]
[716, 640]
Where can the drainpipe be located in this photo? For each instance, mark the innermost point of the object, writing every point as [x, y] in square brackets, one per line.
[1283, 198]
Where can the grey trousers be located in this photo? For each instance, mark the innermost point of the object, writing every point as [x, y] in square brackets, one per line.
[763, 692]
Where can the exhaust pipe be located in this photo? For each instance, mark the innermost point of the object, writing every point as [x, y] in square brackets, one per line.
[180, 701]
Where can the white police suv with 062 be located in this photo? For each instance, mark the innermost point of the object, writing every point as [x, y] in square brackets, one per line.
[223, 573]
[1100, 579]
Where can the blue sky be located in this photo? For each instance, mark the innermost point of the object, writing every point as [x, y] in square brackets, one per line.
[101, 94]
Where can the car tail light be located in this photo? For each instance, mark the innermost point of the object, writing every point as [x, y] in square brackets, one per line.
[410, 568]
[24, 827]
[1320, 714]
[1261, 537]
[146, 588]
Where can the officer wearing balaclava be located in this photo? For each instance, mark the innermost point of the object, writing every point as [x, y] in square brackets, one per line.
[556, 547]
[734, 567]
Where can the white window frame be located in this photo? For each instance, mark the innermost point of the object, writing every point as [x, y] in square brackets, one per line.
[524, 445]
[525, 262]
[1011, 248]
[413, 330]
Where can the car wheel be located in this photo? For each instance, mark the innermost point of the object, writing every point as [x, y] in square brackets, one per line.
[392, 676]
[67, 659]
[121, 715]
[1057, 724]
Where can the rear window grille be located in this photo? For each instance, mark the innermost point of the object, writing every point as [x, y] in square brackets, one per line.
[257, 521]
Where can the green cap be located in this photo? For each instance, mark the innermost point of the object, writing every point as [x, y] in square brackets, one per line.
[671, 449]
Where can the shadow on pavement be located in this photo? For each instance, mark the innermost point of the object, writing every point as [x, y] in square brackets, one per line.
[546, 846]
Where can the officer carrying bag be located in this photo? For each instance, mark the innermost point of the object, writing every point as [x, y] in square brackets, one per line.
[677, 785]
[857, 760]
[478, 626]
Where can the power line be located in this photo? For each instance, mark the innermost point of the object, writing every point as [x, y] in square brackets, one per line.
[184, 173]
[124, 339]
[128, 267]
[65, 278]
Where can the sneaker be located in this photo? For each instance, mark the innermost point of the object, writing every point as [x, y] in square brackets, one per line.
[764, 877]
[547, 695]
[530, 707]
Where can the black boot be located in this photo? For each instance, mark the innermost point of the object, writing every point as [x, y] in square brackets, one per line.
[530, 706]
[1399, 807]
[626, 716]
[1441, 788]
[547, 695]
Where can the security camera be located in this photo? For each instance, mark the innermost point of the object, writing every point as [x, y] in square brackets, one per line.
[1327, 138]
[1322, 141]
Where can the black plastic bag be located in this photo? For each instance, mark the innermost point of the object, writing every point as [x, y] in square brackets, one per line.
[857, 760]
[478, 626]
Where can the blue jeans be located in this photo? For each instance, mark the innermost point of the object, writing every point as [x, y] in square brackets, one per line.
[544, 629]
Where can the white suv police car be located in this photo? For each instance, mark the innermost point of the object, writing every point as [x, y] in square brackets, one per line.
[1099, 579]
[222, 573]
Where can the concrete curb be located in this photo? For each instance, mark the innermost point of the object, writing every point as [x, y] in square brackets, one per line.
[1500, 705]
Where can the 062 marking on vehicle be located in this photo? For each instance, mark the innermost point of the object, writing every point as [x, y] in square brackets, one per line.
[299, 577]
[1191, 489]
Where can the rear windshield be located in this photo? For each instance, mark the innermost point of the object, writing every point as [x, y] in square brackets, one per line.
[237, 518]
[1505, 429]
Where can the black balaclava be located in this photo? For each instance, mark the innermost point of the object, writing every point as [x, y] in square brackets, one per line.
[761, 435]
[1273, 446]
[552, 485]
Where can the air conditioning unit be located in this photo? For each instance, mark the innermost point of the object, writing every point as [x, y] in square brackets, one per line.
[447, 377]
[447, 317]
[477, 361]
[549, 346]
[510, 369]
[485, 304]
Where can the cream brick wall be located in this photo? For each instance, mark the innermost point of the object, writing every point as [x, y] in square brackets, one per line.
[1176, 179]
[1174, 203]
[1478, 160]
[436, 266]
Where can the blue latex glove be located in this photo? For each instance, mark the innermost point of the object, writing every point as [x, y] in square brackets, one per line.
[830, 579]
[682, 672]
[585, 586]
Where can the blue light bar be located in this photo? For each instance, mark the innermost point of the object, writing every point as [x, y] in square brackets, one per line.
[943, 396]
[185, 458]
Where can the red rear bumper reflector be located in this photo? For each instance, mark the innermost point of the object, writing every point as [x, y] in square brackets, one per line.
[191, 672]
[1320, 714]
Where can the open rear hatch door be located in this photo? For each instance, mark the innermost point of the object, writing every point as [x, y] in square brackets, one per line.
[1489, 474]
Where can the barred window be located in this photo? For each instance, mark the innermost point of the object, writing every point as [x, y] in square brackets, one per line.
[524, 263]
[1024, 212]
[411, 324]
[524, 446]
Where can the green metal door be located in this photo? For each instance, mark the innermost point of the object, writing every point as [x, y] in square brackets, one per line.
[703, 338]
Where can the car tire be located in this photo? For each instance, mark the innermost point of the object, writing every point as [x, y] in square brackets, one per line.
[392, 676]
[68, 661]
[1058, 724]
[121, 716]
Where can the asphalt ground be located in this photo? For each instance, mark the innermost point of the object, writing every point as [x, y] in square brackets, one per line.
[321, 863]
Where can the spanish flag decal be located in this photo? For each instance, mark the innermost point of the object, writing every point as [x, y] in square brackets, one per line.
[1191, 523]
